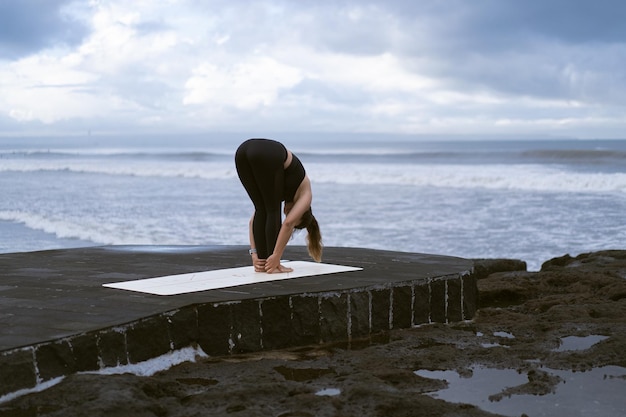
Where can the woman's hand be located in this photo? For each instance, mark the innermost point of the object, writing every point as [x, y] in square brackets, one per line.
[259, 264]
[280, 269]
[272, 265]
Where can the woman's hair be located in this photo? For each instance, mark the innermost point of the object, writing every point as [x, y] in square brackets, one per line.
[314, 236]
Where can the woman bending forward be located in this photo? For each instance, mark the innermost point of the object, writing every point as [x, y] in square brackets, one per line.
[271, 174]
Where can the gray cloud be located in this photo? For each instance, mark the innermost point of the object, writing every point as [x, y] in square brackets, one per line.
[27, 26]
[492, 24]
[558, 49]
[400, 64]
[571, 22]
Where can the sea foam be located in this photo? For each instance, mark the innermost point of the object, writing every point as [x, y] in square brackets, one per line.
[525, 177]
[502, 177]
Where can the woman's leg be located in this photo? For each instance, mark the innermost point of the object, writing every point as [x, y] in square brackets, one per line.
[246, 176]
[260, 168]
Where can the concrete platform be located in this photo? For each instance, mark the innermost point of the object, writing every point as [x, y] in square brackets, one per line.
[57, 319]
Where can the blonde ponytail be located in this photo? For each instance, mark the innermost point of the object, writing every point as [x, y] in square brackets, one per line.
[314, 240]
[314, 236]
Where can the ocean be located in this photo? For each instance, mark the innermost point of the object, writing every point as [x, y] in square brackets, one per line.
[523, 199]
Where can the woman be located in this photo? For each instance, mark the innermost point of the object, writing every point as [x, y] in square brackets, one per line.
[270, 173]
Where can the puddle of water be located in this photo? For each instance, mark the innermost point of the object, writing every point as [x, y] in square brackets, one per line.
[477, 388]
[505, 335]
[328, 392]
[502, 335]
[596, 393]
[492, 345]
[579, 343]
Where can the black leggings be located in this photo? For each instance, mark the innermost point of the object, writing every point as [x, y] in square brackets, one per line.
[260, 168]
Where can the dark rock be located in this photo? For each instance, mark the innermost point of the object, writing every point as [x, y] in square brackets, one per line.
[601, 259]
[148, 339]
[183, 327]
[246, 327]
[402, 314]
[359, 315]
[485, 267]
[505, 289]
[454, 303]
[305, 319]
[214, 325]
[302, 374]
[470, 296]
[380, 310]
[85, 351]
[438, 301]
[559, 262]
[18, 371]
[54, 360]
[276, 322]
[112, 347]
[334, 318]
[421, 304]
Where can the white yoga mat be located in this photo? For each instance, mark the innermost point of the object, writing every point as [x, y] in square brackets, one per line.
[224, 278]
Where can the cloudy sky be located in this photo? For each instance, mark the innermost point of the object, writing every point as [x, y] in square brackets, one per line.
[481, 67]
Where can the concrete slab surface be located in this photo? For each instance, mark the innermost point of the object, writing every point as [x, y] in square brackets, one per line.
[53, 294]
[57, 318]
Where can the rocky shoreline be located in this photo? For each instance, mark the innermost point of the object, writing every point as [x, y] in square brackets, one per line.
[522, 320]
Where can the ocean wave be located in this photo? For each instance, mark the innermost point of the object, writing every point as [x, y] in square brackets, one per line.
[127, 168]
[526, 177]
[189, 154]
[576, 154]
[113, 227]
[505, 177]
[194, 155]
[63, 229]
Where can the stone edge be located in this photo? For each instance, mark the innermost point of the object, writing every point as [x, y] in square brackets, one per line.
[347, 316]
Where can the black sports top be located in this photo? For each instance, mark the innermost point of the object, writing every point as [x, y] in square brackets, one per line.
[294, 174]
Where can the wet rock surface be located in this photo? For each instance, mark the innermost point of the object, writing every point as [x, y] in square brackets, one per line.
[523, 317]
